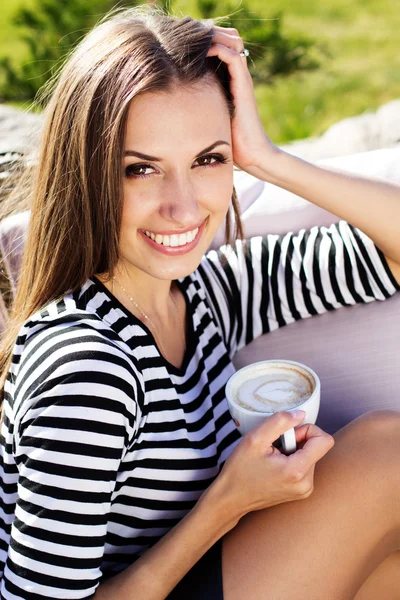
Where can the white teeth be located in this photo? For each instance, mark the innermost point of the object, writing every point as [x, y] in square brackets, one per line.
[173, 240]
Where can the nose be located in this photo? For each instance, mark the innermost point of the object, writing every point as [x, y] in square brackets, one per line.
[180, 203]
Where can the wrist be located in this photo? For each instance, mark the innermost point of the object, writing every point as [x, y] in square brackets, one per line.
[218, 502]
[273, 165]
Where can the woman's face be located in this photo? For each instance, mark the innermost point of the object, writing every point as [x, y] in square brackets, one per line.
[178, 178]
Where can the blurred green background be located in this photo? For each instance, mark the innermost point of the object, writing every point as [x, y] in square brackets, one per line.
[340, 57]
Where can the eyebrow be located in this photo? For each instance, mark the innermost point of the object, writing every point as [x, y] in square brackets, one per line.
[154, 158]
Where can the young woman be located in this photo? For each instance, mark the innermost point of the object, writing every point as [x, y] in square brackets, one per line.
[123, 474]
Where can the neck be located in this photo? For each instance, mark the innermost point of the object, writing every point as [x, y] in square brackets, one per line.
[152, 297]
[158, 304]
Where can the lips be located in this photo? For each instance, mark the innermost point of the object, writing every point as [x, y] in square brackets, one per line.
[163, 243]
[174, 239]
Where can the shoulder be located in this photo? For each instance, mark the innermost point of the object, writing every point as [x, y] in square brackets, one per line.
[77, 322]
[67, 331]
[66, 350]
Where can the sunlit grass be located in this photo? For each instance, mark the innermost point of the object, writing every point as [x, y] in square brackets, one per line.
[360, 73]
[9, 42]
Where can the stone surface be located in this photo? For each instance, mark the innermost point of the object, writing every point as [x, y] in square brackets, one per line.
[369, 131]
[18, 129]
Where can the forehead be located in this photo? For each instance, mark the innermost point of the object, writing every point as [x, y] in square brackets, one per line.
[184, 118]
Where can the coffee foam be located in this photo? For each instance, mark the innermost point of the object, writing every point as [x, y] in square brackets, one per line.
[274, 388]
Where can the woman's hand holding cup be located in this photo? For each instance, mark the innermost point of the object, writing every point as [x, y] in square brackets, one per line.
[257, 475]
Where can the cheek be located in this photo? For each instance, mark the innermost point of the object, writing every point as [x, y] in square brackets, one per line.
[135, 208]
[217, 193]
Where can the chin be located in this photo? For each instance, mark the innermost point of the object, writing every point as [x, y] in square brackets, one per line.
[176, 271]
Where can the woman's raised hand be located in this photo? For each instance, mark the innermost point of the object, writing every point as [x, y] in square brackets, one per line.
[257, 475]
[248, 136]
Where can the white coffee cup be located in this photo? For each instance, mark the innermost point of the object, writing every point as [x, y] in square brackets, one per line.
[299, 381]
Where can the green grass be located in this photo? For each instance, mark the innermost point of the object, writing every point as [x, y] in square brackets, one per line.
[9, 43]
[360, 73]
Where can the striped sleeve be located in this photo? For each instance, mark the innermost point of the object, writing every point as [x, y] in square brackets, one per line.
[77, 412]
[281, 279]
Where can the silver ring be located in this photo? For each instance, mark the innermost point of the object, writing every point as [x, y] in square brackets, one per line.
[245, 52]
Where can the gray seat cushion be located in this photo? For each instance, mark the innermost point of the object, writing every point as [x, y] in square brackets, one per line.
[355, 350]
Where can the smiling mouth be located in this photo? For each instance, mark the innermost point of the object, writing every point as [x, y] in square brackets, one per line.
[173, 240]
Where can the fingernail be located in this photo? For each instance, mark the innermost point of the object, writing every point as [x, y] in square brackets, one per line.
[298, 414]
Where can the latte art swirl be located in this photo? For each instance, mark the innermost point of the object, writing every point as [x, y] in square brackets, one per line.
[274, 389]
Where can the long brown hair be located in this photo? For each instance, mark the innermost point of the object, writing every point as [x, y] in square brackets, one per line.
[76, 197]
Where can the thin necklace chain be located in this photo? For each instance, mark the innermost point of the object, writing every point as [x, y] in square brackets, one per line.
[143, 313]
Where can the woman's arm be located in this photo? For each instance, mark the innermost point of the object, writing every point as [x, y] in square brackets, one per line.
[159, 570]
[255, 476]
[372, 206]
[77, 400]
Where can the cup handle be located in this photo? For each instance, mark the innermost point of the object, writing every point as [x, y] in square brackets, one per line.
[288, 441]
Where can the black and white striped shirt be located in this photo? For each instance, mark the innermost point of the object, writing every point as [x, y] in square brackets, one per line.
[105, 445]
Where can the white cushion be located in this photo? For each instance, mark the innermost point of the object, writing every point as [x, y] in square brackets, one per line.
[266, 208]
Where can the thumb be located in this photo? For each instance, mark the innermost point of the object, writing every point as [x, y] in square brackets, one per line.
[275, 425]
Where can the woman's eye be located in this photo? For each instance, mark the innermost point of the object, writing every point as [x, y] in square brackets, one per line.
[138, 171]
[211, 160]
[143, 170]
